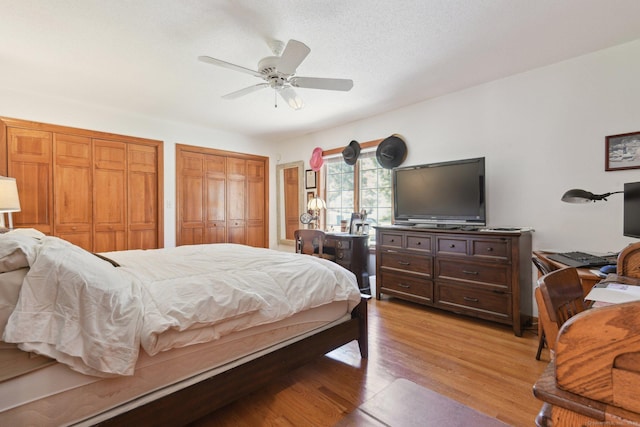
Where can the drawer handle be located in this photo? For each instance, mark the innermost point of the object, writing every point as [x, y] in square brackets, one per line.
[402, 285]
[339, 244]
[419, 243]
[404, 263]
[489, 249]
[471, 299]
[452, 245]
[474, 273]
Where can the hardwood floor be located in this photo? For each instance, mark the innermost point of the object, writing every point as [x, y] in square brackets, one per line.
[481, 364]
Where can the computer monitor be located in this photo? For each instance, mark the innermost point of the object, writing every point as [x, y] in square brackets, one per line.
[631, 209]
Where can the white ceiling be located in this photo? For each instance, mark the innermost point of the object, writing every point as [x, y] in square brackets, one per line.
[141, 55]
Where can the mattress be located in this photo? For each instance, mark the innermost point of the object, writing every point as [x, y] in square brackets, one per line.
[56, 395]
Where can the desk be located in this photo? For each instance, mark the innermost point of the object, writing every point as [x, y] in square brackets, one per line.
[352, 252]
[587, 278]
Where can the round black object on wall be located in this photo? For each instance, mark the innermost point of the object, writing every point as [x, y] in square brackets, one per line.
[351, 152]
[391, 152]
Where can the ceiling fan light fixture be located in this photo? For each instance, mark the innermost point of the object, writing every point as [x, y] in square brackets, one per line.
[296, 103]
[293, 99]
[279, 73]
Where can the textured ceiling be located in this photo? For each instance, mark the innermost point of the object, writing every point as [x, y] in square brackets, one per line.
[141, 55]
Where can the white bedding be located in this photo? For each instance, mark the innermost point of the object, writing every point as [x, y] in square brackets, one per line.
[92, 316]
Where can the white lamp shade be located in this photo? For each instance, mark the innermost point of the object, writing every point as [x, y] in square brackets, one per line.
[316, 204]
[9, 201]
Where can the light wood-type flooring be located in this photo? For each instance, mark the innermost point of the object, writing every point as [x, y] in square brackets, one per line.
[481, 364]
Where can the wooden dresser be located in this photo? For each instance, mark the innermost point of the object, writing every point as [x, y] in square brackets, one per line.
[485, 274]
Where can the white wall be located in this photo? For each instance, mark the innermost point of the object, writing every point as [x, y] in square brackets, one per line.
[542, 132]
[29, 106]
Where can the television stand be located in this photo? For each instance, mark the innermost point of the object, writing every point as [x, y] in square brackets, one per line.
[484, 274]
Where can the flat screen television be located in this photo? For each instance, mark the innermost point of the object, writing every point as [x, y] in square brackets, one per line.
[631, 209]
[441, 194]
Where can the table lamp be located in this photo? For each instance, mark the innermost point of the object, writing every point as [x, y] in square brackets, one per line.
[315, 205]
[9, 201]
[583, 196]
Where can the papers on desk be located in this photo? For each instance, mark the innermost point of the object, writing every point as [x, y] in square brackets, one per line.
[614, 293]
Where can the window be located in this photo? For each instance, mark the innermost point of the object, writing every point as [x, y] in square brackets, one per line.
[365, 185]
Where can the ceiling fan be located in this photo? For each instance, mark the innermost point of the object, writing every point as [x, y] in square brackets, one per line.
[279, 71]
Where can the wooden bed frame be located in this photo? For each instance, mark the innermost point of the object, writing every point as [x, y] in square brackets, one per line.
[196, 401]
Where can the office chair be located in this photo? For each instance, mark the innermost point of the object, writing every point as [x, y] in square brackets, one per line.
[544, 267]
[563, 298]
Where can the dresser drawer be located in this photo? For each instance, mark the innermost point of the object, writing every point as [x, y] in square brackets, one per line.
[343, 244]
[491, 248]
[407, 262]
[485, 304]
[420, 288]
[451, 246]
[495, 275]
[343, 256]
[419, 243]
[391, 239]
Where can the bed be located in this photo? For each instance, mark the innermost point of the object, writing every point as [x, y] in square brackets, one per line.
[161, 336]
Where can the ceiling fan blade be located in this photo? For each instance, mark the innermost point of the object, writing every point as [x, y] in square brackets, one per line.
[321, 83]
[228, 65]
[245, 91]
[293, 55]
[293, 99]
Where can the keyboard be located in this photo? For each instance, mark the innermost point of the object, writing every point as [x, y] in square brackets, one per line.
[581, 259]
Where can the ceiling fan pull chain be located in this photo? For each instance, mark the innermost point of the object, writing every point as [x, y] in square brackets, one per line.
[275, 98]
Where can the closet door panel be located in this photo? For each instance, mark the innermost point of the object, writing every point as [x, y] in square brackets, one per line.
[236, 202]
[142, 197]
[29, 155]
[256, 231]
[110, 196]
[190, 189]
[215, 198]
[73, 189]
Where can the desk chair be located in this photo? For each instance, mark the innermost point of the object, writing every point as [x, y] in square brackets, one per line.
[629, 261]
[310, 242]
[544, 267]
[561, 291]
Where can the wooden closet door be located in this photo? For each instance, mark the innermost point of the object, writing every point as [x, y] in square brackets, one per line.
[142, 178]
[110, 195]
[236, 200]
[215, 181]
[191, 201]
[73, 189]
[255, 196]
[291, 195]
[29, 155]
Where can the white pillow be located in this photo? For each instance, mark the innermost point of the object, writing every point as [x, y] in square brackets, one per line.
[17, 247]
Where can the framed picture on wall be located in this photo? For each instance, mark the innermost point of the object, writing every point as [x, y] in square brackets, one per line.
[622, 151]
[310, 178]
[310, 195]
